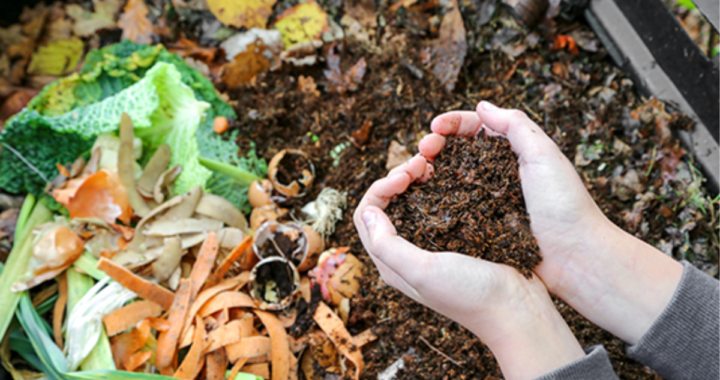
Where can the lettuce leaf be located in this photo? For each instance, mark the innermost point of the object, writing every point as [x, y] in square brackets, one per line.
[63, 126]
[162, 107]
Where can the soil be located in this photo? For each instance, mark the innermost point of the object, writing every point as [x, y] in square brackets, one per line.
[397, 99]
[583, 102]
[473, 204]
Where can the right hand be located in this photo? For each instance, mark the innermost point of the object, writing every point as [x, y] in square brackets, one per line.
[587, 261]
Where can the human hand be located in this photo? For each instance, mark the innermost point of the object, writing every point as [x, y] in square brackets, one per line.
[614, 279]
[513, 315]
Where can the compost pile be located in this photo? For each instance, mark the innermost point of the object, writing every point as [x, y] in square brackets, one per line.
[219, 237]
[473, 204]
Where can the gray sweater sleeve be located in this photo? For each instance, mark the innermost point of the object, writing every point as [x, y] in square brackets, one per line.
[595, 365]
[683, 343]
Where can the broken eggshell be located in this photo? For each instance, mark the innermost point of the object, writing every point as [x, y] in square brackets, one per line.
[262, 214]
[309, 243]
[315, 246]
[259, 193]
[274, 282]
[291, 172]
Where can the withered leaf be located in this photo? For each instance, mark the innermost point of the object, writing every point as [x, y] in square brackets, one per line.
[397, 155]
[135, 24]
[245, 66]
[450, 48]
[302, 23]
[339, 81]
[87, 22]
[246, 13]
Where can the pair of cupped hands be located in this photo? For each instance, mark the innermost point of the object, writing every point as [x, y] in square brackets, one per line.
[617, 281]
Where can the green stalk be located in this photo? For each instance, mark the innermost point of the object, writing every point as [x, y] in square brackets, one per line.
[78, 285]
[88, 264]
[234, 172]
[17, 263]
[25, 211]
[101, 356]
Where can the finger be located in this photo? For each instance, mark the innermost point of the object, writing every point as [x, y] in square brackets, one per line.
[379, 195]
[526, 138]
[380, 192]
[415, 167]
[431, 145]
[461, 123]
[429, 170]
[408, 261]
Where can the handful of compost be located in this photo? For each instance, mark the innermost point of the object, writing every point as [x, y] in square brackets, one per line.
[473, 204]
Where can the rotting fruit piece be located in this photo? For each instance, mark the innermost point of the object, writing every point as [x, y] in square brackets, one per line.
[473, 204]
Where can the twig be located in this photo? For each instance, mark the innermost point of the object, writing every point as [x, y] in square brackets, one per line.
[440, 352]
[23, 159]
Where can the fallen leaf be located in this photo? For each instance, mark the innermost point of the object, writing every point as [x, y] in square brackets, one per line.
[134, 23]
[307, 85]
[397, 155]
[59, 27]
[245, 13]
[339, 81]
[625, 187]
[56, 58]
[450, 48]
[302, 23]
[565, 41]
[245, 66]
[33, 20]
[12, 35]
[188, 48]
[87, 22]
[363, 133]
[16, 102]
[270, 38]
[363, 11]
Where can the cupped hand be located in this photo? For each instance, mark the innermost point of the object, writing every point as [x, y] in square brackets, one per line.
[564, 217]
[614, 279]
[513, 315]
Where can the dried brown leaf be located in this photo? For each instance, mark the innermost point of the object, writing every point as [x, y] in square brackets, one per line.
[450, 48]
[245, 66]
[135, 24]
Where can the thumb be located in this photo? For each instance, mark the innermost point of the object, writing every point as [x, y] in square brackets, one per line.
[526, 138]
[398, 254]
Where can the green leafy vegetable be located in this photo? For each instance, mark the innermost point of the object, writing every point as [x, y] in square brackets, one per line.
[232, 175]
[61, 123]
[17, 263]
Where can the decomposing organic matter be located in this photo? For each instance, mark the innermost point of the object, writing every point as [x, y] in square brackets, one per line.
[473, 204]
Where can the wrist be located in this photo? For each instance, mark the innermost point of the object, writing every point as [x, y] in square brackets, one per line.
[622, 285]
[529, 338]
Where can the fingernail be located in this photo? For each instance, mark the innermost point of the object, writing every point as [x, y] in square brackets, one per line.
[487, 106]
[369, 219]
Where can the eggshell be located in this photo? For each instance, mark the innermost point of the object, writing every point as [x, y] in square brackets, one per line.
[259, 193]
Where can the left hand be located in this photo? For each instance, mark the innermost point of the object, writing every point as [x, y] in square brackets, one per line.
[513, 315]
